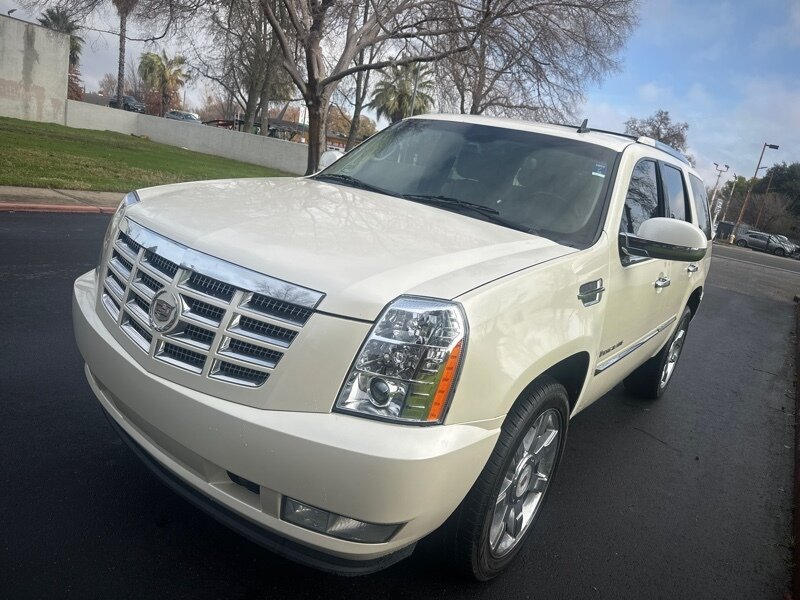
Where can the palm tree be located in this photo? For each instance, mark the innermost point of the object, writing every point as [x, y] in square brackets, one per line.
[124, 9]
[58, 19]
[394, 94]
[164, 75]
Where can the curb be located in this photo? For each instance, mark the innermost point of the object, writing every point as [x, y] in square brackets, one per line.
[55, 208]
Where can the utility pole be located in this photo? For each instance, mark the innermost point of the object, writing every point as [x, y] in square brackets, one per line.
[730, 197]
[750, 189]
[766, 195]
[716, 185]
[414, 93]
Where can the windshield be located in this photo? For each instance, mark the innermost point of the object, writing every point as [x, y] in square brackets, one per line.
[551, 186]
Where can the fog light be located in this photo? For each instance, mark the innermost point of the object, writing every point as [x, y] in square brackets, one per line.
[338, 526]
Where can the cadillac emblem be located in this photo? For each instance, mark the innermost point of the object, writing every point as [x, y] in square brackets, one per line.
[164, 311]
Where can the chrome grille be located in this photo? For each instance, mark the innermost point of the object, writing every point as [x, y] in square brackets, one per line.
[233, 325]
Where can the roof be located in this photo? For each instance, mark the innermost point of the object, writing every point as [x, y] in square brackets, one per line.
[612, 140]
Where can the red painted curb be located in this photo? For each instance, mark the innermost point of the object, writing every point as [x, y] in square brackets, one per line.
[56, 208]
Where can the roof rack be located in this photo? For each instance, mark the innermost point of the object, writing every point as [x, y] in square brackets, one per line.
[641, 139]
[664, 148]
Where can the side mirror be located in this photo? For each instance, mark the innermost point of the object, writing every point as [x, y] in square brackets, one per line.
[328, 158]
[668, 239]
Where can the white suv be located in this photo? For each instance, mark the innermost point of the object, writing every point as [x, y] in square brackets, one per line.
[337, 365]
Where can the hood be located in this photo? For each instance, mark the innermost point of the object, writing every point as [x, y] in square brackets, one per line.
[359, 248]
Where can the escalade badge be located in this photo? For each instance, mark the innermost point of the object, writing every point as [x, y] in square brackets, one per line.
[164, 311]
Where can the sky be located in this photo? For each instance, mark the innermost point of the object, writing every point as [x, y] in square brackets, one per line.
[731, 69]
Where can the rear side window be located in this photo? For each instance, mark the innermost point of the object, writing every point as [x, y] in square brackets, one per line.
[641, 203]
[701, 205]
[673, 192]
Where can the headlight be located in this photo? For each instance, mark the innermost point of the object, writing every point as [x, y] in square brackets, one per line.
[129, 199]
[408, 366]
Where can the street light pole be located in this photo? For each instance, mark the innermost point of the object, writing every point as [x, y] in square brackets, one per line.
[716, 185]
[764, 201]
[750, 189]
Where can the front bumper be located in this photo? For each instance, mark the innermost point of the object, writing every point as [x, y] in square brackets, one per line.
[371, 471]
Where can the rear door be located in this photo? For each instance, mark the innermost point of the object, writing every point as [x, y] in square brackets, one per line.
[698, 270]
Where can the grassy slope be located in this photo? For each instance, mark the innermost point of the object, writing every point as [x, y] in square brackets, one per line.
[53, 156]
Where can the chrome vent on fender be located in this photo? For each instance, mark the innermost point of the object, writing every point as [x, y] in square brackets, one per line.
[212, 318]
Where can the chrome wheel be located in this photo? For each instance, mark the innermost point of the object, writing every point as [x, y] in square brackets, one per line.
[525, 483]
[672, 356]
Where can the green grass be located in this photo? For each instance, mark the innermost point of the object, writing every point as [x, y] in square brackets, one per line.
[53, 156]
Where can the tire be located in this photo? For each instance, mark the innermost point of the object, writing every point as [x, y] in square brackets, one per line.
[650, 380]
[779, 252]
[484, 535]
[741, 243]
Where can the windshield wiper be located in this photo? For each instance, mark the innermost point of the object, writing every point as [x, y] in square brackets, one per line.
[491, 214]
[351, 181]
[447, 200]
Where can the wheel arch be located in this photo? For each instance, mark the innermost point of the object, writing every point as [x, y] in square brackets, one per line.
[694, 300]
[570, 372]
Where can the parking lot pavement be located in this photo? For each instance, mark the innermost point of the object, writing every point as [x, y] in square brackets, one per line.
[687, 497]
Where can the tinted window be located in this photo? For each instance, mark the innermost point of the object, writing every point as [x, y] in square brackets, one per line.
[673, 192]
[641, 202]
[552, 186]
[701, 205]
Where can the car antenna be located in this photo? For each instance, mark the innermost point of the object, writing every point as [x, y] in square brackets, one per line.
[584, 128]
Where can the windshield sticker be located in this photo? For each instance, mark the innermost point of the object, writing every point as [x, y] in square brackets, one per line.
[599, 169]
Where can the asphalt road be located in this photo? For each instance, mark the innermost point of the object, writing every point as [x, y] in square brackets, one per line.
[749, 255]
[688, 497]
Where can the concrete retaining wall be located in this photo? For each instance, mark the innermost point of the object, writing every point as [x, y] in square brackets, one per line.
[34, 64]
[255, 149]
[90, 116]
[33, 71]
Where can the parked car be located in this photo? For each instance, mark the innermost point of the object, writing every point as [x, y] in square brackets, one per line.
[129, 103]
[182, 115]
[766, 242]
[337, 365]
[790, 245]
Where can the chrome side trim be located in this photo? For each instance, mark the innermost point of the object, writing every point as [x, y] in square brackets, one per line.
[192, 260]
[629, 350]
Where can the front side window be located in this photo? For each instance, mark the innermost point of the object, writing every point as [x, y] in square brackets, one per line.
[547, 185]
[641, 203]
[674, 192]
[701, 205]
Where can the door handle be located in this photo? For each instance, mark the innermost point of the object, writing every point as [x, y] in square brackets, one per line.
[662, 282]
[692, 268]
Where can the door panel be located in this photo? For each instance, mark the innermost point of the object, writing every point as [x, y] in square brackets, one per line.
[641, 298]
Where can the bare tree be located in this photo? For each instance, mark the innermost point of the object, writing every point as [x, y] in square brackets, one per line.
[661, 127]
[134, 85]
[531, 58]
[238, 51]
[342, 29]
[108, 85]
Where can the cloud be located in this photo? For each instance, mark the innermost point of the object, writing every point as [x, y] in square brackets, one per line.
[603, 115]
[726, 126]
[652, 92]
